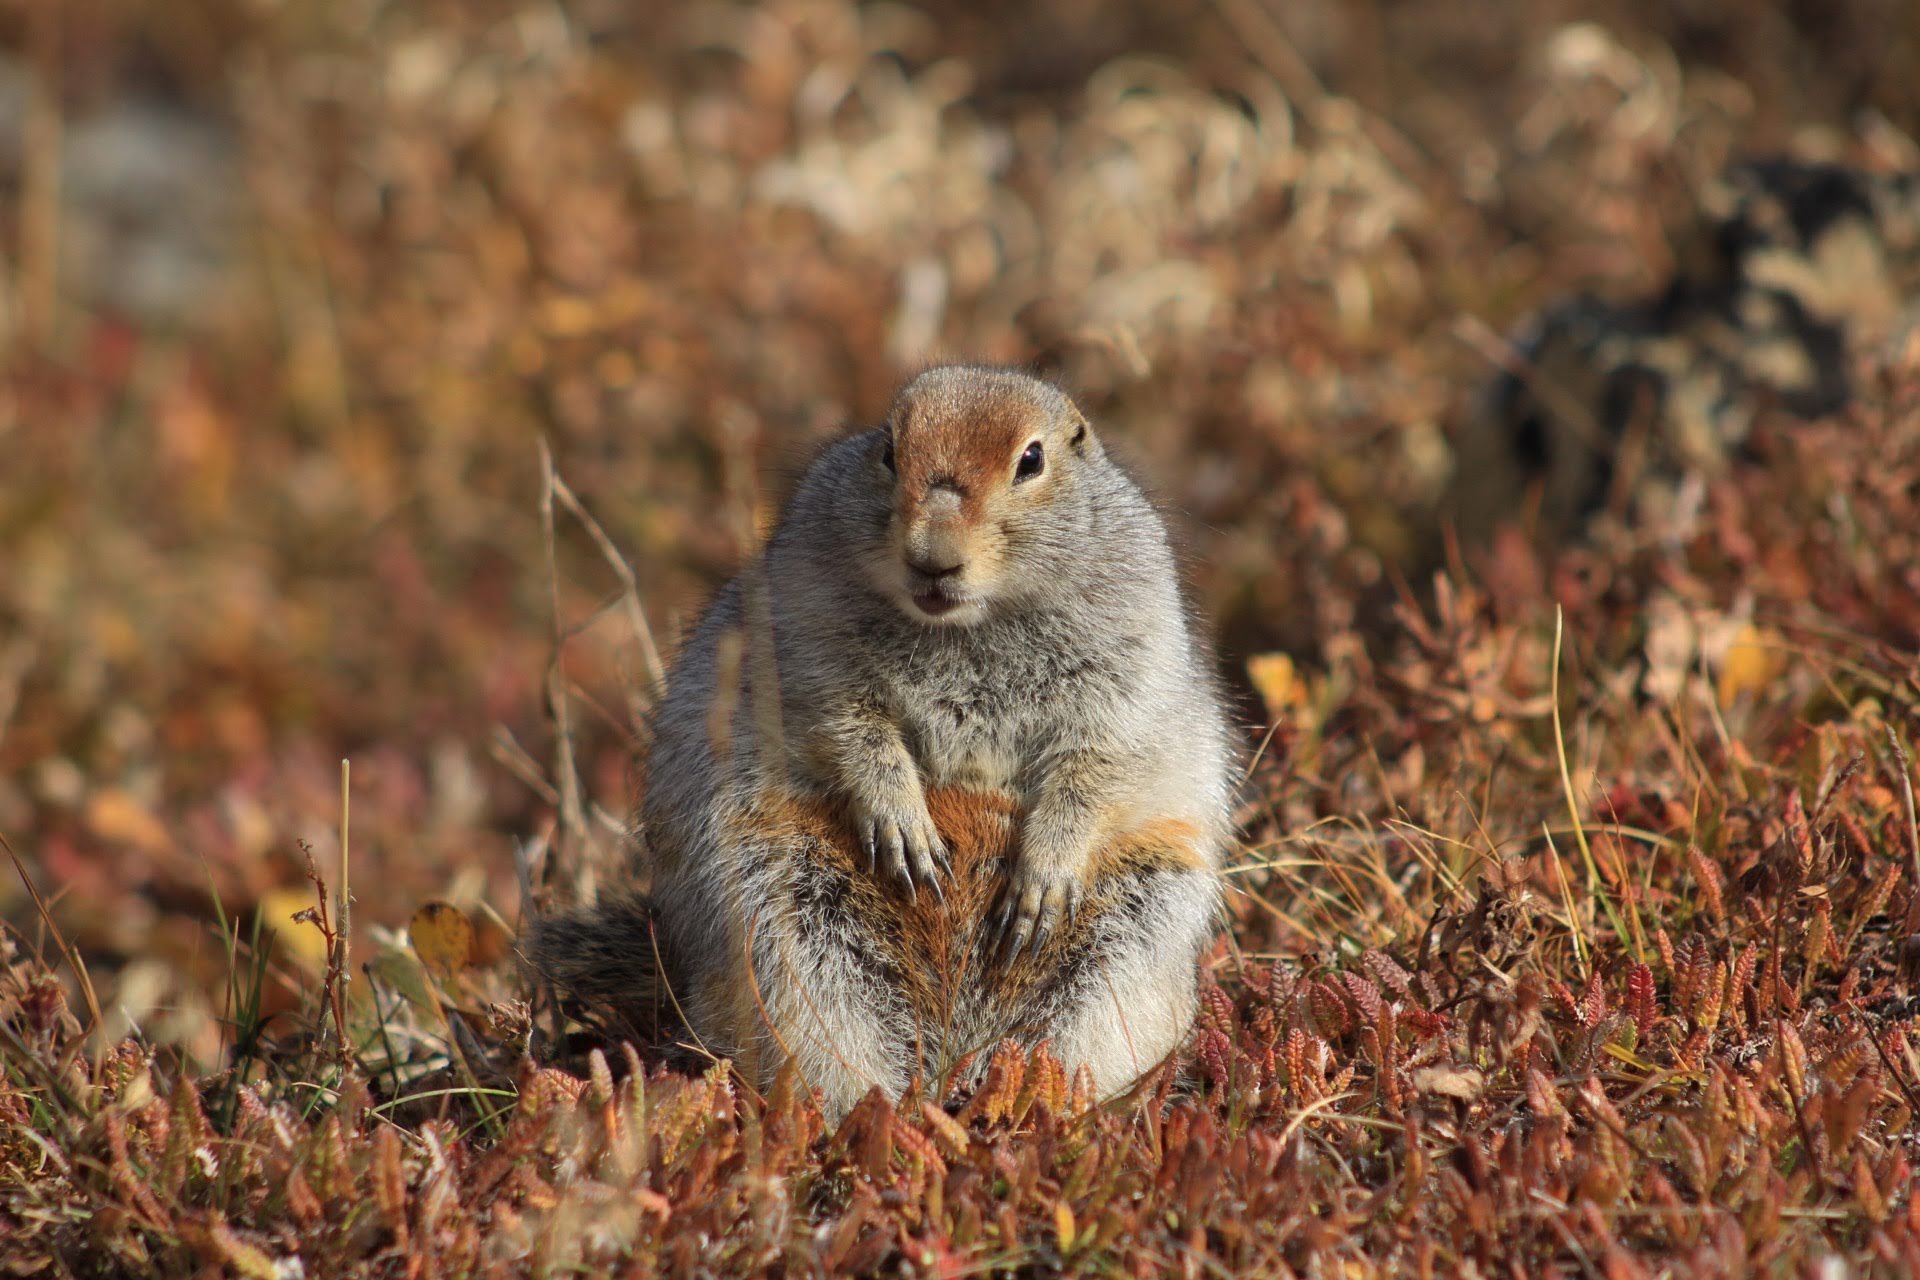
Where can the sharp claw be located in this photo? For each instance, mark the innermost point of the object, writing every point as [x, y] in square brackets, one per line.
[1022, 930]
[936, 865]
[1042, 930]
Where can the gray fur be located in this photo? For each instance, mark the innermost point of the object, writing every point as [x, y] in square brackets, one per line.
[1069, 675]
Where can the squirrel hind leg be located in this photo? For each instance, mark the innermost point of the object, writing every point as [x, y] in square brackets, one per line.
[1129, 997]
[1118, 991]
[813, 978]
[1114, 988]
[605, 958]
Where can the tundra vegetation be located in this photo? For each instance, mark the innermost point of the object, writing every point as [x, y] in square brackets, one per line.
[384, 382]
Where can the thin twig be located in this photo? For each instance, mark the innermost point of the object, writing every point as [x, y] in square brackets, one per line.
[59, 939]
[1910, 953]
[629, 583]
[566, 776]
[343, 914]
[1906, 786]
[514, 758]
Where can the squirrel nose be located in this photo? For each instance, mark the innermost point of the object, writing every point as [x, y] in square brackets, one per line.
[932, 567]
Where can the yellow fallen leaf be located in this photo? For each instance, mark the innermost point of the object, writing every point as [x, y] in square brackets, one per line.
[1277, 682]
[1752, 662]
[300, 939]
[442, 938]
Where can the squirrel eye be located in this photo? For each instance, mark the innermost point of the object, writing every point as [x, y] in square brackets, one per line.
[886, 454]
[1031, 463]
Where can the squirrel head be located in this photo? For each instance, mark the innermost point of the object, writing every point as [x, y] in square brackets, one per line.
[991, 475]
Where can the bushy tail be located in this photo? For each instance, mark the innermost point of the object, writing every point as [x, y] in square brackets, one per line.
[605, 960]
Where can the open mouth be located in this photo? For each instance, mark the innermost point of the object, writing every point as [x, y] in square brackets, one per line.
[932, 604]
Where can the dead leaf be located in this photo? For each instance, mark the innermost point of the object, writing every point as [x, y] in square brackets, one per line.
[402, 972]
[1277, 682]
[1752, 661]
[442, 938]
[300, 939]
[1464, 1083]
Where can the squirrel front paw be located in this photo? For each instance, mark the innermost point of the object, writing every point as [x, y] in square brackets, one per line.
[1040, 892]
[901, 843]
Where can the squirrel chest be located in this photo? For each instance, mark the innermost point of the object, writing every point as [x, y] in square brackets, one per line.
[979, 707]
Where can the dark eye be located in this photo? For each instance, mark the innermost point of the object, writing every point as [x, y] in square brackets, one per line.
[886, 454]
[1031, 463]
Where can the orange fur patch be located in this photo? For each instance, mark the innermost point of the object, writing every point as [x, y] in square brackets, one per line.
[961, 439]
[1164, 844]
[935, 945]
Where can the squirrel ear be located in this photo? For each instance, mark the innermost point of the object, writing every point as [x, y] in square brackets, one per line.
[1080, 438]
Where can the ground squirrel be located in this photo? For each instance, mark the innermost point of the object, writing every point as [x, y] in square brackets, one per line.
[976, 786]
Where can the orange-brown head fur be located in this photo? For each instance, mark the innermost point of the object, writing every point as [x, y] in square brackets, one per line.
[980, 460]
